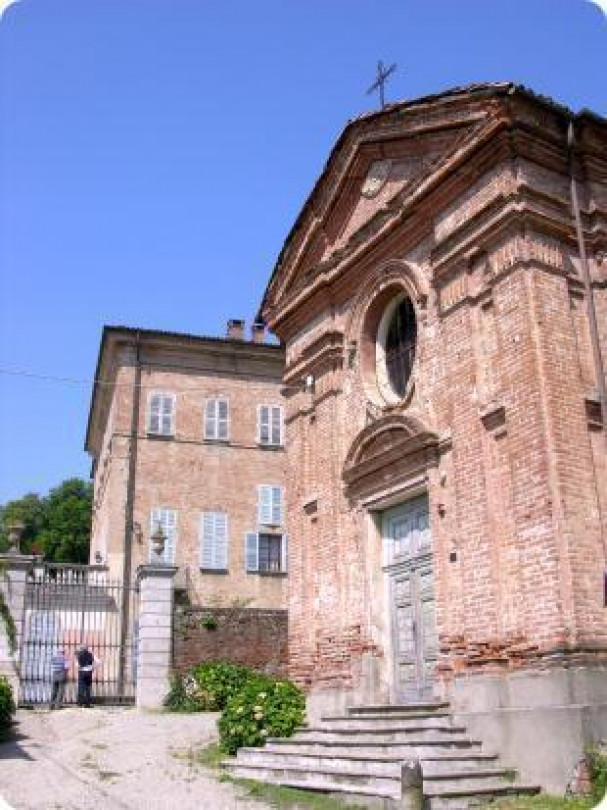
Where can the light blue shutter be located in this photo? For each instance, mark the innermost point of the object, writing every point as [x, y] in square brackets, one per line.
[170, 530]
[265, 505]
[221, 541]
[222, 419]
[276, 506]
[276, 431]
[207, 535]
[167, 415]
[284, 554]
[155, 519]
[251, 552]
[263, 424]
[209, 422]
[154, 414]
[214, 541]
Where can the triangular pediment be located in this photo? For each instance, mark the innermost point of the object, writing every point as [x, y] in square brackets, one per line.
[380, 162]
[377, 163]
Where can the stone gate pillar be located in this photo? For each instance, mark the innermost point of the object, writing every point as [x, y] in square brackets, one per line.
[155, 633]
[14, 569]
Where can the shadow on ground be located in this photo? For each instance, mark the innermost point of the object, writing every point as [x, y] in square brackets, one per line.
[11, 742]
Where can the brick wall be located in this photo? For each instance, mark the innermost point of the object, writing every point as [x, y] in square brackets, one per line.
[255, 638]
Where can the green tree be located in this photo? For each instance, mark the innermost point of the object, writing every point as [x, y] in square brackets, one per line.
[66, 534]
[31, 512]
[57, 526]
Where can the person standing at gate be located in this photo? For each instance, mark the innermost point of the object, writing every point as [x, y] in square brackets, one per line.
[59, 668]
[86, 665]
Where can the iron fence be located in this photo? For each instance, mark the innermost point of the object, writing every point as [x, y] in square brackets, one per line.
[69, 606]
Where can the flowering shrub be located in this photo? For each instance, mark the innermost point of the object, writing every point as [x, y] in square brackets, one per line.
[7, 704]
[262, 708]
[597, 760]
[206, 687]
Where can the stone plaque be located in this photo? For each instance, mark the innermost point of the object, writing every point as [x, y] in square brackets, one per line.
[376, 177]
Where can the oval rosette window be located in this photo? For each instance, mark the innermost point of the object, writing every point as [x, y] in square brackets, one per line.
[389, 342]
[395, 348]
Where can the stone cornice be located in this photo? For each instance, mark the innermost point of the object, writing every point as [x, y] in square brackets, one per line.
[325, 351]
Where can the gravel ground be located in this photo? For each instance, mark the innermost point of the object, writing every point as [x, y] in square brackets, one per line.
[112, 759]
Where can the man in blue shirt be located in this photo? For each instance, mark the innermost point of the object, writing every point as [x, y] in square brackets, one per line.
[59, 668]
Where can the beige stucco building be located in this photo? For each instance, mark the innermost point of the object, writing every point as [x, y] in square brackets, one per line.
[187, 433]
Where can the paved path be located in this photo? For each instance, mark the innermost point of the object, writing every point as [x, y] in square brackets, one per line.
[112, 759]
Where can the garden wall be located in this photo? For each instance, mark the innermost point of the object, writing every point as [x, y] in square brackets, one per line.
[256, 638]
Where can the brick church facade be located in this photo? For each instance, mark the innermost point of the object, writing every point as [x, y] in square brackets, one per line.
[446, 447]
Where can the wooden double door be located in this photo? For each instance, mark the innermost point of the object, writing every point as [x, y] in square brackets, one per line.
[409, 567]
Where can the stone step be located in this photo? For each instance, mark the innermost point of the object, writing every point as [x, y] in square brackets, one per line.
[464, 799]
[459, 762]
[381, 765]
[326, 781]
[421, 748]
[465, 780]
[364, 754]
[373, 763]
[396, 720]
[408, 708]
[385, 733]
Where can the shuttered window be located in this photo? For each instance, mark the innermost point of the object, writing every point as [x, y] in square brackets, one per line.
[266, 553]
[167, 518]
[216, 419]
[269, 425]
[213, 541]
[270, 505]
[161, 414]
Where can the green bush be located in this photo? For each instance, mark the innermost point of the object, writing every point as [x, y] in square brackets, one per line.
[597, 759]
[206, 687]
[263, 708]
[181, 696]
[7, 704]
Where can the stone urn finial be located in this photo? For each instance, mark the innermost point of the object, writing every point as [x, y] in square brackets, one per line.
[15, 531]
[158, 543]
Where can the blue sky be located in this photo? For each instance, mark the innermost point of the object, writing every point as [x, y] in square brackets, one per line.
[154, 154]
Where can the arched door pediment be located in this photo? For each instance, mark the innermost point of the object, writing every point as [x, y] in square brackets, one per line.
[393, 448]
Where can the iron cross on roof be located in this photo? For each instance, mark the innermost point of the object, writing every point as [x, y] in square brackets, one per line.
[382, 75]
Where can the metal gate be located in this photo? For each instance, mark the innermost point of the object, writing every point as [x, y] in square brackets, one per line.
[67, 606]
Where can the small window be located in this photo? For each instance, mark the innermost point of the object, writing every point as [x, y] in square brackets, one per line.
[213, 541]
[269, 425]
[266, 553]
[270, 505]
[167, 519]
[216, 416]
[161, 414]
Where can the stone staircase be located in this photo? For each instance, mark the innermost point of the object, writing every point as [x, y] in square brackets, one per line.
[385, 756]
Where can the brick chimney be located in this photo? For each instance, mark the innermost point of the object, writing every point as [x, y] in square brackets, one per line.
[235, 329]
[258, 331]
